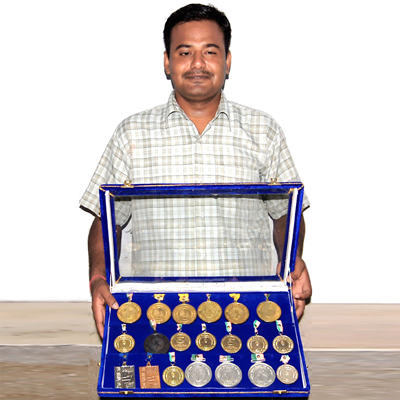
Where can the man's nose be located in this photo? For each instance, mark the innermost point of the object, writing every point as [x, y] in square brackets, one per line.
[198, 60]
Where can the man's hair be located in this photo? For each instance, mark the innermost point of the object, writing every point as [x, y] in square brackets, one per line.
[197, 12]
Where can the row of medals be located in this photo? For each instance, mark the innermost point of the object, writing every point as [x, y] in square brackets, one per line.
[198, 373]
[209, 311]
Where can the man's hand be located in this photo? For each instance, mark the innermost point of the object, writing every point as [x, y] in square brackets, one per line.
[301, 286]
[101, 297]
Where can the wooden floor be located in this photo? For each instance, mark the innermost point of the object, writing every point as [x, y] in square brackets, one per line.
[51, 351]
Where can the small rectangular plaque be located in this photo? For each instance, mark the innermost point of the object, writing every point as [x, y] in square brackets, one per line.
[149, 377]
[125, 377]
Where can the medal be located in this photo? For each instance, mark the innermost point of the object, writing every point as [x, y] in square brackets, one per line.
[180, 341]
[173, 375]
[209, 311]
[124, 343]
[198, 373]
[184, 313]
[257, 344]
[124, 376]
[206, 341]
[283, 344]
[261, 375]
[156, 343]
[231, 343]
[149, 376]
[160, 312]
[228, 374]
[129, 312]
[287, 374]
[268, 311]
[236, 313]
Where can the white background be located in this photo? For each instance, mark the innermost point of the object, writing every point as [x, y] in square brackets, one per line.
[327, 71]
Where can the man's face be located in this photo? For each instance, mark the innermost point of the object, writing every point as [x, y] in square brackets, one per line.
[197, 63]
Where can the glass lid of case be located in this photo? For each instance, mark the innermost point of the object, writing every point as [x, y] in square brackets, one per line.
[197, 232]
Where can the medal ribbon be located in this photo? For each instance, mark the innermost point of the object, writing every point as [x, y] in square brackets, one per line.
[279, 326]
[179, 327]
[183, 297]
[159, 297]
[153, 324]
[198, 357]
[266, 296]
[257, 357]
[123, 328]
[225, 359]
[228, 327]
[203, 327]
[172, 357]
[235, 296]
[285, 359]
[256, 324]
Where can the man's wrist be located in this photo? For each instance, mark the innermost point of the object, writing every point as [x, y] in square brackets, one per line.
[94, 277]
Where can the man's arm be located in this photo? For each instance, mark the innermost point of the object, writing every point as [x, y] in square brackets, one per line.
[301, 285]
[99, 287]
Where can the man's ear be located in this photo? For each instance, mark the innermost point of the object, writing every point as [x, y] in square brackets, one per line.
[166, 66]
[228, 64]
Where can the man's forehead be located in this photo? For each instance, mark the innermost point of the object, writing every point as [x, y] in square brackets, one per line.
[188, 32]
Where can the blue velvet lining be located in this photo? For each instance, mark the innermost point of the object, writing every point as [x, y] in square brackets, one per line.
[141, 329]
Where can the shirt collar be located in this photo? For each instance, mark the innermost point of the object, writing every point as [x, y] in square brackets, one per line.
[173, 107]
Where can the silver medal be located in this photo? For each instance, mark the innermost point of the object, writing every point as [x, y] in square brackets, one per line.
[287, 374]
[228, 374]
[198, 374]
[261, 375]
[124, 377]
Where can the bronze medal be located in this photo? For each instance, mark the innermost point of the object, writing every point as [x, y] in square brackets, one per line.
[149, 377]
[156, 343]
[206, 341]
[209, 311]
[269, 311]
[124, 343]
[257, 344]
[181, 341]
[237, 313]
[283, 344]
[173, 376]
[159, 312]
[184, 314]
[129, 312]
[231, 343]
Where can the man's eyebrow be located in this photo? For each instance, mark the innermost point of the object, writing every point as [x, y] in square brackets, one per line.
[186, 46]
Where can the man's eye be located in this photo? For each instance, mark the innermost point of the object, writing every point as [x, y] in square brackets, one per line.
[185, 53]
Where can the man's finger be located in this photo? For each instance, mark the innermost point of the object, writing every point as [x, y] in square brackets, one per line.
[300, 305]
[109, 299]
[98, 313]
[304, 295]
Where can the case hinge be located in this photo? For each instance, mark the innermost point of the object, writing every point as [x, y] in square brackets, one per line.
[127, 184]
[279, 392]
[274, 181]
[126, 392]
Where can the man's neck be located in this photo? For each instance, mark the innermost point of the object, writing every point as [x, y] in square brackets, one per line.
[199, 112]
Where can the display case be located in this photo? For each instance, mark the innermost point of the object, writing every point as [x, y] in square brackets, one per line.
[181, 333]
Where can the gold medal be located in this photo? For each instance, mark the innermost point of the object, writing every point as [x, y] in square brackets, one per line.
[180, 341]
[268, 311]
[173, 376]
[206, 341]
[184, 313]
[236, 313]
[231, 343]
[129, 312]
[159, 312]
[209, 311]
[149, 377]
[124, 343]
[257, 344]
[283, 344]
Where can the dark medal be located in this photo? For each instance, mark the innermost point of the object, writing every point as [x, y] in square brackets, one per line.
[156, 343]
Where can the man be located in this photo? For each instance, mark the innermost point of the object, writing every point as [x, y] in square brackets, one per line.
[197, 137]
